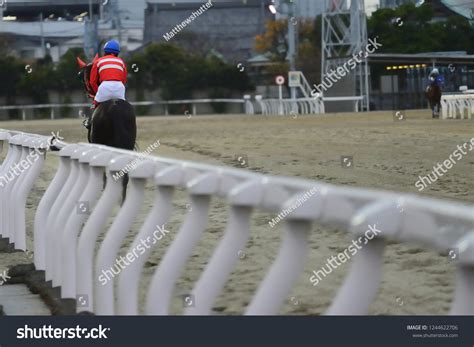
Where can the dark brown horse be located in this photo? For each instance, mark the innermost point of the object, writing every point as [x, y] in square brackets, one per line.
[433, 94]
[113, 122]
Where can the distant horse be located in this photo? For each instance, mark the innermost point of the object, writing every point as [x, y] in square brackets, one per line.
[433, 94]
[113, 121]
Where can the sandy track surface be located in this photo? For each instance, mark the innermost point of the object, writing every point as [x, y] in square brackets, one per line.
[387, 154]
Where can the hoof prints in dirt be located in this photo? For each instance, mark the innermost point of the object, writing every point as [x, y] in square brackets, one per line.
[228, 160]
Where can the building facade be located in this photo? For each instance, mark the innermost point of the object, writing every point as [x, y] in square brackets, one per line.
[35, 28]
[393, 3]
[227, 28]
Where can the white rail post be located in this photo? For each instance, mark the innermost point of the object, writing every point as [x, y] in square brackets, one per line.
[110, 247]
[41, 216]
[52, 214]
[291, 258]
[444, 106]
[248, 106]
[16, 149]
[166, 180]
[4, 136]
[66, 201]
[258, 99]
[72, 205]
[163, 281]
[463, 303]
[144, 171]
[227, 251]
[361, 285]
[223, 261]
[90, 193]
[243, 198]
[34, 149]
[95, 225]
[3, 170]
[7, 209]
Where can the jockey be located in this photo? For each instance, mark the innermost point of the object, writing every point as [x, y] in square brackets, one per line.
[433, 91]
[434, 76]
[108, 76]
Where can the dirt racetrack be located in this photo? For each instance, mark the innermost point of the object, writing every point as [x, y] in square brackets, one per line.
[387, 154]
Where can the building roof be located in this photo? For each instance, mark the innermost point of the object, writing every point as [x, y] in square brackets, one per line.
[258, 59]
[461, 7]
[447, 57]
[50, 29]
[59, 29]
[183, 4]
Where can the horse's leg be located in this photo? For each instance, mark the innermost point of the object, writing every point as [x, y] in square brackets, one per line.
[438, 104]
[433, 106]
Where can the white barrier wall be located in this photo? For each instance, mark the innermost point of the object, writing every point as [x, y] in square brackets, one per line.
[64, 240]
[457, 106]
[291, 107]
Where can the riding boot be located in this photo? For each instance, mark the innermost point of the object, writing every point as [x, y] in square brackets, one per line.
[87, 122]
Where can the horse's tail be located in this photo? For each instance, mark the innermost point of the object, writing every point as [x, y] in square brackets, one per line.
[124, 124]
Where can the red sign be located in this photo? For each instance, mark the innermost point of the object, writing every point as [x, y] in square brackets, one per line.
[280, 80]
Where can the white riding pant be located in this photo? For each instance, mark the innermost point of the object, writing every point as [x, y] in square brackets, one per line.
[110, 90]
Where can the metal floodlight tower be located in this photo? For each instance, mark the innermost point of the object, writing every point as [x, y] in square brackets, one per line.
[344, 34]
[112, 13]
[91, 33]
[288, 9]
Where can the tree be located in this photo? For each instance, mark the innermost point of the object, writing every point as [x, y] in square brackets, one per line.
[11, 70]
[308, 57]
[66, 73]
[411, 29]
[178, 73]
[5, 45]
[274, 40]
[38, 79]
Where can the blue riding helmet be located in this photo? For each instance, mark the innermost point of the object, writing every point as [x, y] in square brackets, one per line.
[439, 80]
[112, 46]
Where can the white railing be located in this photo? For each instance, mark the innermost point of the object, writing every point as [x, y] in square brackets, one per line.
[456, 106]
[291, 107]
[302, 83]
[248, 109]
[315, 105]
[65, 240]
